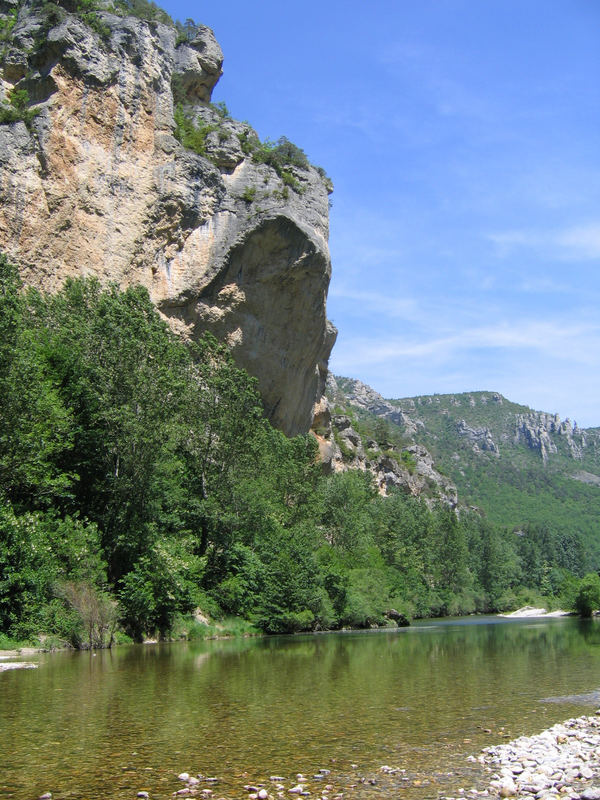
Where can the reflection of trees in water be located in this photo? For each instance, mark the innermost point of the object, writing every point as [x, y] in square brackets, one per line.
[590, 630]
[292, 703]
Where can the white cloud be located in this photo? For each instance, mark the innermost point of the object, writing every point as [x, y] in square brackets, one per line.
[576, 243]
[577, 343]
[369, 302]
[552, 366]
[582, 241]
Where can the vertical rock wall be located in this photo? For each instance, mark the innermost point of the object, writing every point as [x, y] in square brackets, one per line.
[94, 182]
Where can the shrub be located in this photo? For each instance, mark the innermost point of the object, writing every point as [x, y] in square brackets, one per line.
[8, 643]
[17, 109]
[326, 180]
[248, 194]
[587, 599]
[143, 9]
[281, 156]
[95, 609]
[87, 10]
[221, 109]
[409, 461]
[8, 23]
[287, 621]
[289, 180]
[186, 31]
[191, 136]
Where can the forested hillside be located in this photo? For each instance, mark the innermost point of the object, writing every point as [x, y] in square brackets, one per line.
[541, 470]
[140, 483]
[521, 469]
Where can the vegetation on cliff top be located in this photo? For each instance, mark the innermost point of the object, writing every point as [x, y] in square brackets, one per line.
[139, 481]
[282, 156]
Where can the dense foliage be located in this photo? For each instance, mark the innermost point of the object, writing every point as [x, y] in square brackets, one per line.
[517, 487]
[139, 481]
[514, 486]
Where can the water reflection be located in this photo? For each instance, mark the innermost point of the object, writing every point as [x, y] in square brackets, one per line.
[127, 719]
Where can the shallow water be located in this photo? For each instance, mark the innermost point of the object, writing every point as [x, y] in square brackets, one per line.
[106, 725]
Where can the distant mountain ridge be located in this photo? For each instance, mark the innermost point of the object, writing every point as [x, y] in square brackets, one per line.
[517, 466]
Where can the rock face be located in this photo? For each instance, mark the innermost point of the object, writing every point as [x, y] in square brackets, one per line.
[536, 430]
[361, 395]
[535, 435]
[480, 438]
[97, 184]
[409, 468]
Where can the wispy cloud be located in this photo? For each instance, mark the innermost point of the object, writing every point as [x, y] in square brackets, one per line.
[582, 241]
[549, 365]
[576, 243]
[576, 342]
[545, 285]
[389, 305]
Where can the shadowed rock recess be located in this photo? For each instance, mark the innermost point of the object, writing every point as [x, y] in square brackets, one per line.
[96, 108]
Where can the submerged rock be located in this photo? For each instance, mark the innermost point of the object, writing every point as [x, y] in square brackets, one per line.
[7, 665]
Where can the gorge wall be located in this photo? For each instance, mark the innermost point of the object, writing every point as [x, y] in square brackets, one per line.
[95, 180]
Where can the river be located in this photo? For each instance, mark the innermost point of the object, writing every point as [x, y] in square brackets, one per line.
[109, 724]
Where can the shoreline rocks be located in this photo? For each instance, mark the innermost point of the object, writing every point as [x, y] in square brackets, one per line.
[562, 761]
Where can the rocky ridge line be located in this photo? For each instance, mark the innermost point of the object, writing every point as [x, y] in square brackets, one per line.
[410, 469]
[538, 431]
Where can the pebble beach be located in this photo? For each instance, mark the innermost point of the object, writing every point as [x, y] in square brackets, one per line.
[561, 762]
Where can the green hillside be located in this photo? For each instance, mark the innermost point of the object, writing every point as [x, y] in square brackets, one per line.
[515, 486]
[520, 467]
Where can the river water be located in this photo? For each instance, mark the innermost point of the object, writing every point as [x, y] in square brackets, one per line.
[421, 700]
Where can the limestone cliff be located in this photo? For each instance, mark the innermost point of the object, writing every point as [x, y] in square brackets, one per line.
[402, 465]
[113, 163]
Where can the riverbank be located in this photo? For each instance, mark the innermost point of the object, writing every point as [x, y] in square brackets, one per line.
[562, 761]
[203, 629]
[531, 611]
[5, 666]
[6, 656]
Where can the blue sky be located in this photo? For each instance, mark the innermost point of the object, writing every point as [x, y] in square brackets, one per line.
[463, 139]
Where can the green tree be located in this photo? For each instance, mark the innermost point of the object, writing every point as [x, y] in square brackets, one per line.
[348, 500]
[492, 559]
[35, 426]
[449, 562]
[38, 553]
[587, 599]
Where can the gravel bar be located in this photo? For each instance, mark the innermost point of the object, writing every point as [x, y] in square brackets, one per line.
[561, 762]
